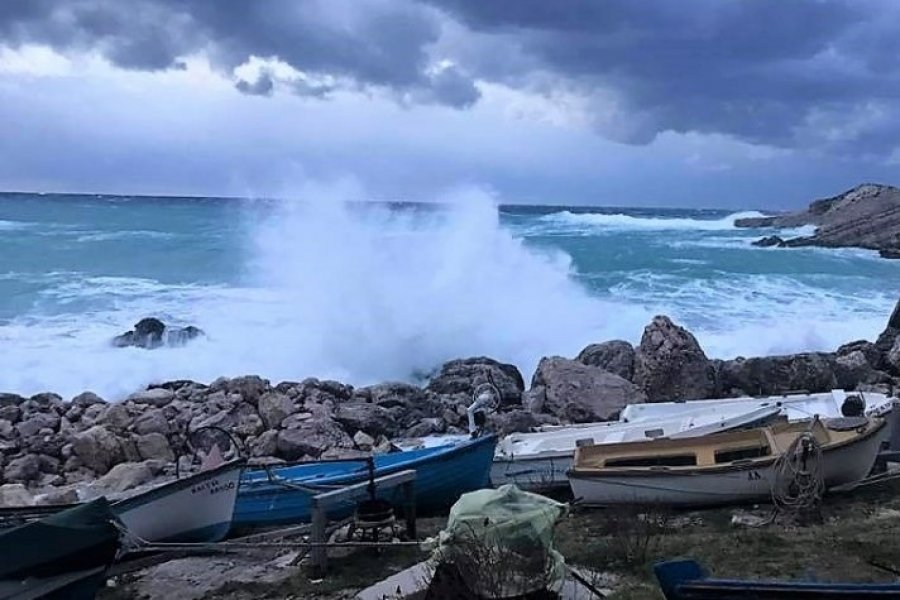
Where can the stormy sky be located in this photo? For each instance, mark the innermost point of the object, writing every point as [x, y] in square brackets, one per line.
[729, 103]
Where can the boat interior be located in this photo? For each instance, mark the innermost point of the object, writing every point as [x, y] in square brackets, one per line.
[729, 448]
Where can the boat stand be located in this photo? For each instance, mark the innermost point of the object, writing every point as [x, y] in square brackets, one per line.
[322, 502]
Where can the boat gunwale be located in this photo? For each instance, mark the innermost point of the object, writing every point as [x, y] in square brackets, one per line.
[755, 463]
[177, 485]
[440, 454]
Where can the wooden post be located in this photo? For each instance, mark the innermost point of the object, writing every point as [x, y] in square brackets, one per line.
[318, 553]
[321, 502]
[409, 510]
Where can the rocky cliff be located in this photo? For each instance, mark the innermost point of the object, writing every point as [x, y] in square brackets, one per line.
[868, 216]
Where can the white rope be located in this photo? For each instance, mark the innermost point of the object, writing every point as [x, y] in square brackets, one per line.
[799, 477]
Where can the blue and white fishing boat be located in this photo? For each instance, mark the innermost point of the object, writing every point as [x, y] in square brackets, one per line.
[687, 580]
[277, 494]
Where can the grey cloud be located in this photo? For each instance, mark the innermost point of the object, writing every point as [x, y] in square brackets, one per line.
[362, 42]
[754, 69]
[263, 85]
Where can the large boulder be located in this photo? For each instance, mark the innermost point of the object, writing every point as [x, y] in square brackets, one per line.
[615, 356]
[312, 438]
[273, 407]
[15, 494]
[580, 393]
[670, 364]
[98, 448]
[152, 421]
[123, 476]
[158, 397]
[154, 446]
[768, 375]
[462, 376]
[893, 356]
[370, 418]
[23, 469]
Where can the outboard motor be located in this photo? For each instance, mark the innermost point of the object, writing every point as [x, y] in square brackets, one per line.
[853, 406]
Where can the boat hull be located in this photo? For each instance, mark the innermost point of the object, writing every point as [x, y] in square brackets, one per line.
[548, 471]
[711, 487]
[198, 508]
[687, 580]
[443, 474]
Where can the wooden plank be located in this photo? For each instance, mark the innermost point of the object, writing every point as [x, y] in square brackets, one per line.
[385, 481]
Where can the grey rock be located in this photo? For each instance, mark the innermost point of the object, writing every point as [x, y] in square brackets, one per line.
[152, 421]
[769, 241]
[893, 356]
[158, 397]
[117, 417]
[37, 422]
[274, 407]
[297, 420]
[52, 496]
[23, 469]
[6, 429]
[462, 376]
[867, 216]
[48, 443]
[581, 393]
[363, 440]
[49, 464]
[98, 448]
[520, 421]
[615, 356]
[122, 477]
[670, 365]
[312, 439]
[11, 413]
[86, 399]
[854, 368]
[251, 388]
[391, 395]
[15, 494]
[764, 376]
[11, 399]
[266, 444]
[249, 424]
[427, 426]
[154, 446]
[371, 418]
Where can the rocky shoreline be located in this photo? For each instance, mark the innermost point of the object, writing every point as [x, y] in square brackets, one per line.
[867, 216]
[55, 451]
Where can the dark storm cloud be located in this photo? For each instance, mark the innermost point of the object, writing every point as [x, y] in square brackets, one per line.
[811, 74]
[369, 42]
[761, 70]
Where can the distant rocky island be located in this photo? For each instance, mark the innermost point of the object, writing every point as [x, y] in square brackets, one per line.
[867, 216]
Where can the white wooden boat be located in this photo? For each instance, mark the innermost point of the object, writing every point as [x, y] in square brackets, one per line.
[724, 468]
[197, 508]
[539, 461]
[795, 407]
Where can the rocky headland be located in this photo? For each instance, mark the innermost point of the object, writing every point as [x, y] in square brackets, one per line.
[868, 216]
[56, 450]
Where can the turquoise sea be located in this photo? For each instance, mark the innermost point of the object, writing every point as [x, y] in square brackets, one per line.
[367, 292]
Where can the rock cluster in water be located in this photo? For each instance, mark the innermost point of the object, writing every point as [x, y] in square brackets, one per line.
[50, 449]
[150, 333]
[868, 216]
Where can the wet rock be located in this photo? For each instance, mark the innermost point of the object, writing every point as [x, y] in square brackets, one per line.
[150, 333]
[770, 241]
[764, 376]
[580, 393]
[23, 469]
[615, 356]
[158, 397]
[893, 356]
[154, 446]
[464, 375]
[274, 407]
[670, 365]
[98, 448]
[371, 418]
[122, 477]
[15, 494]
